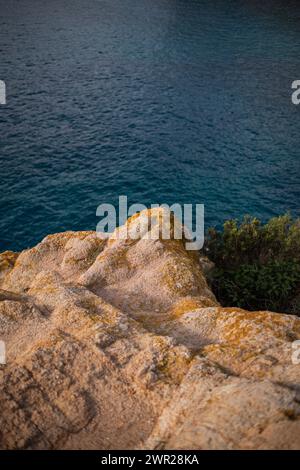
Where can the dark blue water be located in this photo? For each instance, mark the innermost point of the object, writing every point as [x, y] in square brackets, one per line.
[165, 101]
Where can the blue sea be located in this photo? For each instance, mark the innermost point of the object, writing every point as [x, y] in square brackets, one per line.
[164, 101]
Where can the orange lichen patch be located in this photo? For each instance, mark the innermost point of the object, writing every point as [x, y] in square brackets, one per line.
[189, 304]
[96, 311]
[239, 325]
[220, 352]
[296, 327]
[47, 290]
[7, 260]
[156, 215]
[173, 367]
[170, 363]
[247, 360]
[77, 317]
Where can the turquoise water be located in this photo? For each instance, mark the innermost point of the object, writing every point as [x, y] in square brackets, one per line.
[165, 101]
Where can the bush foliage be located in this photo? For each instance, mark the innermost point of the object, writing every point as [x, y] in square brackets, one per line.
[257, 266]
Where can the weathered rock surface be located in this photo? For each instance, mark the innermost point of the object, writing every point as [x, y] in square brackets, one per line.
[121, 344]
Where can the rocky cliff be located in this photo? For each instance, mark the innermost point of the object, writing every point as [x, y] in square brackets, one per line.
[116, 344]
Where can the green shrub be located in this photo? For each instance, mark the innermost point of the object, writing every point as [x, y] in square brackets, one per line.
[257, 266]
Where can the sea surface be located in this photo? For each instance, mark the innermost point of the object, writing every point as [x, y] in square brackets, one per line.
[164, 101]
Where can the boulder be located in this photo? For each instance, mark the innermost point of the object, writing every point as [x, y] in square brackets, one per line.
[118, 343]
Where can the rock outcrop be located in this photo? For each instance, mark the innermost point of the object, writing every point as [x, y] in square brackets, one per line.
[119, 343]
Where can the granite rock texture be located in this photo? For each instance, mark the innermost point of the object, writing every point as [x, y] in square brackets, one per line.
[119, 344]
